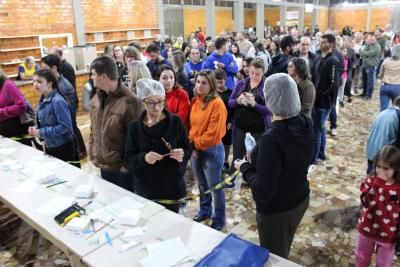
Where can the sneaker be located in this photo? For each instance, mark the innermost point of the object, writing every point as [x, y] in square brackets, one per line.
[341, 104]
[333, 132]
[312, 168]
[226, 168]
[217, 227]
[349, 100]
[321, 162]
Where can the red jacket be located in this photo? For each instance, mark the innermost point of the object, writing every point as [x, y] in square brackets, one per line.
[178, 103]
[380, 215]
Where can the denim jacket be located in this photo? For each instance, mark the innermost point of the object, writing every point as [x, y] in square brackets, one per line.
[54, 120]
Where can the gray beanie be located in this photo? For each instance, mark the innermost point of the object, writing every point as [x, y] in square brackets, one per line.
[281, 95]
[147, 87]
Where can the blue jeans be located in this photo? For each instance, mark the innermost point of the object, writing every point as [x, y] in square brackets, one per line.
[122, 179]
[388, 92]
[207, 168]
[368, 81]
[319, 116]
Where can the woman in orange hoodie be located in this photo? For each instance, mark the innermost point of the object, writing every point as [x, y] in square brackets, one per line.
[207, 127]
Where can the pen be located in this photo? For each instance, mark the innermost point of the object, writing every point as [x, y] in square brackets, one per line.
[87, 204]
[56, 184]
[92, 224]
[101, 228]
[108, 238]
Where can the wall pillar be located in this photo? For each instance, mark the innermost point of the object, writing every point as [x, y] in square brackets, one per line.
[238, 15]
[210, 18]
[260, 23]
[79, 23]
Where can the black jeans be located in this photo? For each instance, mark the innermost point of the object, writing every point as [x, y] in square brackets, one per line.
[66, 152]
[13, 128]
[276, 231]
[239, 149]
[122, 179]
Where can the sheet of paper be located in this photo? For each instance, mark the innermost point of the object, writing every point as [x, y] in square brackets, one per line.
[134, 232]
[7, 150]
[56, 205]
[11, 165]
[165, 253]
[124, 203]
[26, 187]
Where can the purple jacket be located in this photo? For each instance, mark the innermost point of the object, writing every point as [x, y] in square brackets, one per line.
[261, 109]
[12, 104]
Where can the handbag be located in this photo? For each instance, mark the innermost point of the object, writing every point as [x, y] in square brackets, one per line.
[233, 251]
[27, 116]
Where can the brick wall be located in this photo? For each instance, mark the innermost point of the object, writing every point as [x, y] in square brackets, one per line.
[119, 14]
[338, 18]
[323, 19]
[31, 94]
[29, 17]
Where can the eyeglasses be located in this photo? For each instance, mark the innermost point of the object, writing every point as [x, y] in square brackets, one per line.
[152, 104]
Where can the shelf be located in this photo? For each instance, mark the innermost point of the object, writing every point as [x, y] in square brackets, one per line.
[107, 41]
[20, 36]
[19, 49]
[139, 38]
[7, 63]
[123, 30]
[12, 75]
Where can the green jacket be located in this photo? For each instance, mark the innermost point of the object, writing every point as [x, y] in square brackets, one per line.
[371, 55]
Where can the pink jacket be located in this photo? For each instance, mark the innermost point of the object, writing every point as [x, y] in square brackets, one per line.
[12, 103]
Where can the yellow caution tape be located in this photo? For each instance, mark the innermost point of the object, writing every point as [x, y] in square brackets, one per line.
[23, 137]
[218, 186]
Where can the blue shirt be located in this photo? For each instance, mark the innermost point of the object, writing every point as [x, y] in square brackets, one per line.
[153, 65]
[230, 67]
[191, 70]
[383, 132]
[54, 120]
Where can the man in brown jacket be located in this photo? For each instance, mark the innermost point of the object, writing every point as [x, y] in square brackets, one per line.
[112, 109]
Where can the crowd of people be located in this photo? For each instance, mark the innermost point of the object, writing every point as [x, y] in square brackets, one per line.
[153, 111]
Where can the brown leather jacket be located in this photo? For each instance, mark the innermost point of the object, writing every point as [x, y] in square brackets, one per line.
[110, 116]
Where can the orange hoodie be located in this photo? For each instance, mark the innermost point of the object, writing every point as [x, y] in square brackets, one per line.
[208, 126]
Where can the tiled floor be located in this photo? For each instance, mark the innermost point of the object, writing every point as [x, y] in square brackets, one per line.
[325, 237]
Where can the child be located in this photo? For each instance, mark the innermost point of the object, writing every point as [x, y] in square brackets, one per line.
[225, 93]
[378, 224]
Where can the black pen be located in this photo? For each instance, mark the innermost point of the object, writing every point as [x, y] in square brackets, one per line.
[56, 184]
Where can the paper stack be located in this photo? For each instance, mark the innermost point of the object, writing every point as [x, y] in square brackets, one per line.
[166, 253]
[83, 191]
[78, 224]
[129, 217]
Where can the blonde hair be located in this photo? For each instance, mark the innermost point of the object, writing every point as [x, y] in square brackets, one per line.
[137, 70]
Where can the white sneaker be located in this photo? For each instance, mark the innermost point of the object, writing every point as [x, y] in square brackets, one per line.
[333, 132]
[312, 168]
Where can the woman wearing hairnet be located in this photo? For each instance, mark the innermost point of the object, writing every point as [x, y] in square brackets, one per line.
[277, 171]
[157, 147]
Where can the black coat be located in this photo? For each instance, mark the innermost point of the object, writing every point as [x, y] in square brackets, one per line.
[312, 58]
[68, 72]
[352, 62]
[327, 81]
[279, 64]
[277, 174]
[164, 179]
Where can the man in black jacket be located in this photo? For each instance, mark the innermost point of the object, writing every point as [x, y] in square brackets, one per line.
[66, 68]
[326, 86]
[280, 62]
[308, 56]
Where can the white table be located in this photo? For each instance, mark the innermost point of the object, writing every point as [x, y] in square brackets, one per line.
[25, 204]
[161, 224]
[198, 239]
